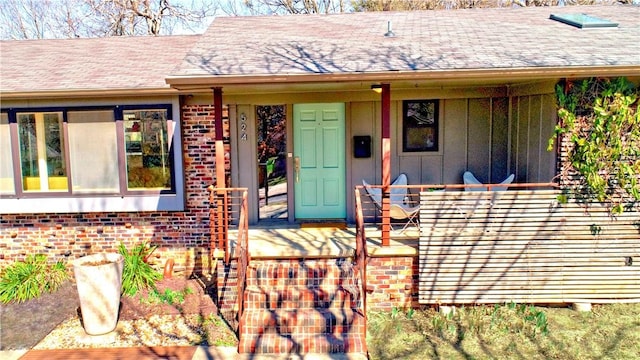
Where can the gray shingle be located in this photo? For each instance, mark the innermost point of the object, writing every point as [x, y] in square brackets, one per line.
[502, 38]
[113, 63]
[425, 40]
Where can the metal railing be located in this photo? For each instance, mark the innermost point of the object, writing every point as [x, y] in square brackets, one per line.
[361, 254]
[226, 206]
[242, 250]
[228, 209]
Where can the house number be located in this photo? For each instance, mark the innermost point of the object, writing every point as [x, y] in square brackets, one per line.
[243, 127]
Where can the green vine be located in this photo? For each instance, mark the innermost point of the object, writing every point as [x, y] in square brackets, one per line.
[600, 120]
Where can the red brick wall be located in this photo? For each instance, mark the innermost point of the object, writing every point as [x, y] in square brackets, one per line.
[392, 283]
[183, 235]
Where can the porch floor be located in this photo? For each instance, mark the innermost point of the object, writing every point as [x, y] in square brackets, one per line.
[287, 241]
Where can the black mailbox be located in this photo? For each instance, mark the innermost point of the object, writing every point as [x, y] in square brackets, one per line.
[362, 146]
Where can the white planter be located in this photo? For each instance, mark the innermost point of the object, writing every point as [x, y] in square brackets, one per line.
[99, 281]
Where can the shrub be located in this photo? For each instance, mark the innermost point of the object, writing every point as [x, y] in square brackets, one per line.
[137, 273]
[169, 296]
[600, 120]
[28, 279]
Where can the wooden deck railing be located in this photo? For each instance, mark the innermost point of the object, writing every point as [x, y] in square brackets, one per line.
[525, 246]
[373, 216]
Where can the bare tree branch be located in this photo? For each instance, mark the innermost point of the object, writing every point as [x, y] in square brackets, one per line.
[30, 19]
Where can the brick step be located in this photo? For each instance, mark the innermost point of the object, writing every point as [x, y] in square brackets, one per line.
[303, 321]
[309, 306]
[294, 323]
[295, 273]
[302, 343]
[296, 297]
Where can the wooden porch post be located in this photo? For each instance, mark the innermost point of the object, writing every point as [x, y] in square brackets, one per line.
[219, 134]
[221, 222]
[386, 162]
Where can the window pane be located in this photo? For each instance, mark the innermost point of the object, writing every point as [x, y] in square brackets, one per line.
[28, 145]
[93, 159]
[42, 152]
[420, 125]
[6, 163]
[56, 165]
[147, 151]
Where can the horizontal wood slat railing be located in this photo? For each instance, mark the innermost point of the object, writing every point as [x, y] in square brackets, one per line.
[372, 216]
[525, 246]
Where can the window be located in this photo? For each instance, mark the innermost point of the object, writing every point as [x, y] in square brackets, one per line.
[93, 159]
[583, 20]
[7, 186]
[114, 150]
[420, 125]
[42, 155]
[147, 151]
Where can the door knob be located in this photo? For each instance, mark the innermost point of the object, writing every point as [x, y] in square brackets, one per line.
[296, 166]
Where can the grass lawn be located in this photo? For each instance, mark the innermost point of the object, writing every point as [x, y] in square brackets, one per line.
[509, 331]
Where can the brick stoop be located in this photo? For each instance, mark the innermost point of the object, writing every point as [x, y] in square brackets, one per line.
[302, 306]
[225, 291]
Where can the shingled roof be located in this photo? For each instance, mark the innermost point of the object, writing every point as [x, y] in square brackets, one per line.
[96, 64]
[424, 41]
[300, 48]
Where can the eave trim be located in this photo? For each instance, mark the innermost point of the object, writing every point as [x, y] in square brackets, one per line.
[92, 93]
[207, 81]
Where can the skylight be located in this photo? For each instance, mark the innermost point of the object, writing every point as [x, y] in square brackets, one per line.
[583, 20]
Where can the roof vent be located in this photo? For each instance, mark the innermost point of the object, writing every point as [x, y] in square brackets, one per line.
[582, 20]
[389, 32]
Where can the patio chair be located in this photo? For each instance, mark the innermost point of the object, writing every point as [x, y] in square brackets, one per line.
[399, 208]
[469, 179]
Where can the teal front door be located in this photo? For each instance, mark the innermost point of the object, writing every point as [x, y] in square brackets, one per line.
[319, 161]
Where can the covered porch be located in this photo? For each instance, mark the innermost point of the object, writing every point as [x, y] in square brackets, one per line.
[330, 239]
[525, 244]
[286, 241]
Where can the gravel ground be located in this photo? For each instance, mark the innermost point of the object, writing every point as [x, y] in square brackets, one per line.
[157, 330]
[53, 321]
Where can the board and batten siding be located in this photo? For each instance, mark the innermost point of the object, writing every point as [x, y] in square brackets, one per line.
[491, 137]
[533, 121]
[525, 246]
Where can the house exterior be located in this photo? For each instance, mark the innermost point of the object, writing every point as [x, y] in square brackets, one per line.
[114, 139]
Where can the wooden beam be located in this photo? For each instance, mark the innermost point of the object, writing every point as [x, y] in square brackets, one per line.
[386, 162]
[219, 138]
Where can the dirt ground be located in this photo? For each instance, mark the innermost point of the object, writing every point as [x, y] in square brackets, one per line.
[23, 325]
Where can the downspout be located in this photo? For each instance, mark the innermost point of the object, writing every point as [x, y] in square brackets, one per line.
[386, 162]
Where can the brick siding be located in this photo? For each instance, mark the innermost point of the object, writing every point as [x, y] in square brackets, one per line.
[182, 235]
[394, 283]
